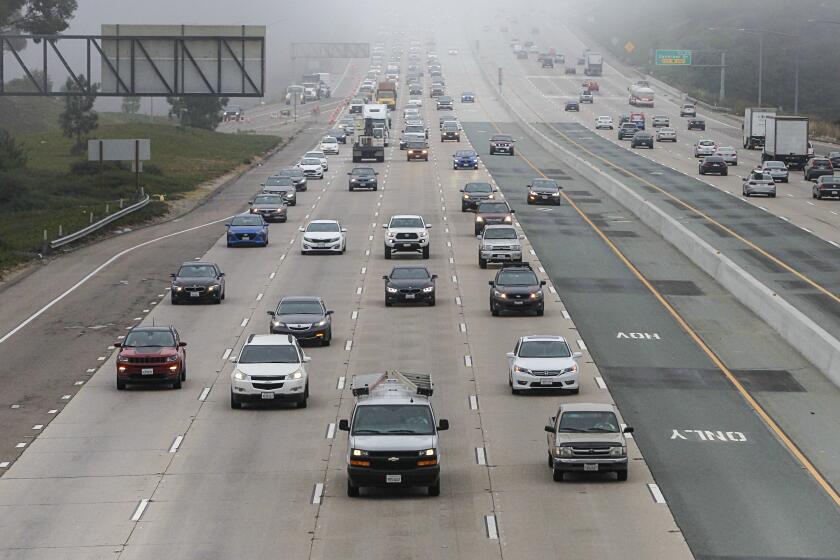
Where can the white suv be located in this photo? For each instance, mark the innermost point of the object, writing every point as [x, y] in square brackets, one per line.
[323, 235]
[542, 362]
[270, 367]
[407, 233]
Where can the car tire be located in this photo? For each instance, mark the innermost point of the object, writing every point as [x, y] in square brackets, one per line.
[184, 372]
[432, 302]
[574, 391]
[235, 402]
[388, 303]
[120, 385]
[494, 310]
[173, 300]
[304, 402]
[541, 310]
[482, 263]
[744, 193]
[621, 476]
[218, 300]
[530, 201]
[773, 195]
[557, 475]
[426, 252]
[434, 490]
[550, 461]
[352, 491]
[492, 152]
[350, 188]
[724, 174]
[177, 384]
[511, 151]
[463, 207]
[387, 253]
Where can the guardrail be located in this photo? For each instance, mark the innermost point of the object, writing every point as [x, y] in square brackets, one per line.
[61, 241]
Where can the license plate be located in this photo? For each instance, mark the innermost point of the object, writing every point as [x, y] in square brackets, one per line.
[246, 237]
[545, 381]
[518, 302]
[544, 196]
[393, 478]
[194, 294]
[405, 245]
[409, 296]
[270, 396]
[320, 244]
[147, 371]
[590, 468]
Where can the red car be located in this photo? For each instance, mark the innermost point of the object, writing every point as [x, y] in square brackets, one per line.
[591, 86]
[151, 355]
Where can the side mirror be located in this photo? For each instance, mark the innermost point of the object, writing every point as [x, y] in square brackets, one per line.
[300, 228]
[510, 355]
[528, 186]
[542, 282]
[443, 424]
[329, 312]
[349, 173]
[173, 274]
[490, 282]
[344, 425]
[512, 211]
[384, 226]
[577, 354]
[384, 276]
[306, 359]
[376, 172]
[234, 359]
[344, 230]
[226, 225]
[628, 429]
[272, 313]
[549, 429]
[118, 345]
[428, 226]
[434, 276]
[262, 184]
[250, 202]
[182, 344]
[221, 274]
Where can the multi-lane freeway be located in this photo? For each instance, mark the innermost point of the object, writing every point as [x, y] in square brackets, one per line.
[734, 453]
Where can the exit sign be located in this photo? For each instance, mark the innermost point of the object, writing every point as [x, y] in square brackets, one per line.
[673, 58]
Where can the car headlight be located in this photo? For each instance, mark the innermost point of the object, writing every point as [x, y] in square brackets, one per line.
[428, 290]
[391, 290]
[466, 197]
[122, 358]
[519, 369]
[321, 323]
[171, 359]
[563, 451]
[534, 295]
[427, 452]
[555, 194]
[502, 295]
[212, 288]
[479, 219]
[358, 453]
[277, 324]
[296, 375]
[239, 376]
[422, 234]
[491, 196]
[178, 288]
[391, 235]
[618, 451]
[254, 210]
[508, 219]
[571, 369]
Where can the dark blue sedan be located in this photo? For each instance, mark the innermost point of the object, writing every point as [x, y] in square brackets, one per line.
[465, 159]
[247, 229]
[468, 97]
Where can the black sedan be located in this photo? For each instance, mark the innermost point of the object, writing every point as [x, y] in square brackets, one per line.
[572, 106]
[826, 185]
[544, 191]
[642, 138]
[197, 282]
[409, 284]
[271, 206]
[338, 134]
[297, 177]
[362, 178]
[696, 124]
[304, 317]
[713, 164]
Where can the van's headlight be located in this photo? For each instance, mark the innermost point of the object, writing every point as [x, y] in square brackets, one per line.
[428, 452]
[519, 369]
[359, 453]
[239, 376]
[508, 219]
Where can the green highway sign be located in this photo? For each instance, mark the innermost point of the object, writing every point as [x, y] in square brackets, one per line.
[673, 58]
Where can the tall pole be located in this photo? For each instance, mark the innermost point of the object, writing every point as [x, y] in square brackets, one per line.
[760, 64]
[722, 93]
[796, 69]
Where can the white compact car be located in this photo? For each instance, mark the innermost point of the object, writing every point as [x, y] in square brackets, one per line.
[416, 102]
[604, 122]
[329, 145]
[542, 362]
[319, 155]
[270, 368]
[311, 168]
[705, 148]
[323, 236]
[666, 134]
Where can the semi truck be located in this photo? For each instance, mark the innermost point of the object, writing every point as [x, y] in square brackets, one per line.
[786, 139]
[641, 94]
[593, 64]
[754, 126]
[386, 94]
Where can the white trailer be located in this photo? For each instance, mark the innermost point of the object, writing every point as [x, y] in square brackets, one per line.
[754, 126]
[786, 139]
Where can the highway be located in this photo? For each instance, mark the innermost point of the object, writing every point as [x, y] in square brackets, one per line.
[158, 473]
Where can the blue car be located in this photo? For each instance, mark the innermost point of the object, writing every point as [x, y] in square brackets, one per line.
[465, 159]
[247, 229]
[468, 97]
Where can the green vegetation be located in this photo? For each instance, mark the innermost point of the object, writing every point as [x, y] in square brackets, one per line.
[56, 188]
[715, 24]
[78, 118]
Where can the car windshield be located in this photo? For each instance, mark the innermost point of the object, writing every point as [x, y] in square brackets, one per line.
[448, 125]
[406, 223]
[500, 233]
[323, 227]
[775, 165]
[385, 419]
[726, 150]
[501, 138]
[276, 181]
[290, 173]
[157, 339]
[313, 155]
[268, 199]
[416, 145]
[418, 129]
[310, 161]
[830, 180]
[493, 207]
[588, 421]
[707, 143]
[409, 273]
[329, 140]
[366, 171]
[544, 184]
[296, 307]
[247, 221]
[517, 278]
[265, 354]
[478, 188]
[197, 271]
[762, 177]
[465, 153]
[544, 349]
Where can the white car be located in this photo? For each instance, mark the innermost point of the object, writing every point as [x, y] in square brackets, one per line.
[270, 368]
[542, 362]
[329, 145]
[705, 148]
[323, 235]
[406, 233]
[729, 155]
[319, 155]
[666, 134]
[311, 168]
[411, 113]
[688, 110]
[453, 51]
[776, 169]
[416, 102]
[604, 122]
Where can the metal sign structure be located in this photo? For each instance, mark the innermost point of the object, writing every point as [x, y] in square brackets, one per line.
[673, 57]
[330, 50]
[141, 60]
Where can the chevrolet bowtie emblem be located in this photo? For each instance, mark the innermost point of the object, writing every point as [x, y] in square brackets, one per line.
[393, 459]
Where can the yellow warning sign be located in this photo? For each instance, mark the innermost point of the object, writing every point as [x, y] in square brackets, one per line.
[629, 46]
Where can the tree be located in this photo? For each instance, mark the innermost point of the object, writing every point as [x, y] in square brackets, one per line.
[36, 16]
[198, 112]
[78, 117]
[131, 105]
[12, 153]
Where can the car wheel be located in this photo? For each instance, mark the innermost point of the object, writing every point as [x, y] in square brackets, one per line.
[621, 476]
[702, 172]
[350, 188]
[744, 192]
[352, 491]
[218, 300]
[426, 252]
[463, 208]
[511, 151]
[541, 310]
[120, 385]
[550, 461]
[177, 384]
[773, 195]
[557, 475]
[434, 490]
[388, 302]
[530, 201]
[173, 300]
[387, 252]
[184, 372]
[491, 151]
[724, 174]
[304, 402]
[432, 302]
[482, 263]
[494, 310]
[234, 402]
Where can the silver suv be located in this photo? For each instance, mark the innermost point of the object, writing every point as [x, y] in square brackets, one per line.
[393, 435]
[499, 243]
[587, 437]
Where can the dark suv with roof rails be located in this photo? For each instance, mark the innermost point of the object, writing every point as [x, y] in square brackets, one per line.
[362, 178]
[502, 144]
[151, 355]
[516, 288]
[474, 193]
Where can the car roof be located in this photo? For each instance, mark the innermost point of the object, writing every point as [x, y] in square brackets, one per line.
[153, 328]
[588, 407]
[269, 340]
[324, 222]
[406, 216]
[410, 266]
[302, 298]
[534, 337]
[203, 263]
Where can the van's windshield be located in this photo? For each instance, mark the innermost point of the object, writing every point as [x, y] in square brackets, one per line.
[391, 419]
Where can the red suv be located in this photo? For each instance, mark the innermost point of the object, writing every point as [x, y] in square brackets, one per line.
[151, 355]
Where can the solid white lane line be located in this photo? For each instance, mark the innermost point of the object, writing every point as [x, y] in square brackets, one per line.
[53, 411]
[176, 444]
[96, 271]
[581, 345]
[566, 314]
[317, 493]
[340, 384]
[204, 393]
[66, 397]
[656, 493]
[834, 243]
[101, 358]
[244, 322]
[542, 270]
[480, 458]
[628, 436]
[532, 252]
[226, 355]
[348, 345]
[600, 382]
[141, 507]
[331, 430]
[473, 402]
[552, 290]
[91, 370]
[260, 296]
[492, 530]
[468, 361]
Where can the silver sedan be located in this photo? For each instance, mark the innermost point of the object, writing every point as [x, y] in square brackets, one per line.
[759, 183]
